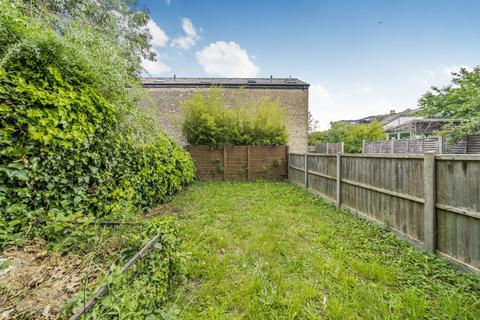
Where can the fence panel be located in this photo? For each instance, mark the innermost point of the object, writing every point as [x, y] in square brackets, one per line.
[469, 145]
[388, 190]
[296, 168]
[328, 148]
[322, 174]
[240, 162]
[458, 205]
[432, 201]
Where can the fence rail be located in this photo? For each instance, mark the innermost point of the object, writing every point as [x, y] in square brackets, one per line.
[431, 200]
[328, 148]
[470, 145]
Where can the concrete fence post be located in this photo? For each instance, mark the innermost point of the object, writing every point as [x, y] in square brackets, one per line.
[429, 191]
[339, 180]
[306, 170]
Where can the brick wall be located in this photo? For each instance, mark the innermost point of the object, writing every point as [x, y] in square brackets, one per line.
[240, 162]
[166, 103]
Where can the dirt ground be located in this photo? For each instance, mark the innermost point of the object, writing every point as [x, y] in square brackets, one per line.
[34, 283]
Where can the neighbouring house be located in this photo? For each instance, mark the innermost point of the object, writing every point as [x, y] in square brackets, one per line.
[390, 119]
[416, 128]
[405, 124]
[168, 94]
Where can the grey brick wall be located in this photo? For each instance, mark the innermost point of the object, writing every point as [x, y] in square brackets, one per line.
[166, 104]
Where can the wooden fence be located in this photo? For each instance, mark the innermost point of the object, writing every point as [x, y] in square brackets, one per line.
[431, 200]
[240, 162]
[470, 145]
[328, 148]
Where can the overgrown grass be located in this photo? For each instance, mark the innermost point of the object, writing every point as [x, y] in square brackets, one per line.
[272, 251]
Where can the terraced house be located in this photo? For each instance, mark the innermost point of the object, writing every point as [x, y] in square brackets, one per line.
[168, 95]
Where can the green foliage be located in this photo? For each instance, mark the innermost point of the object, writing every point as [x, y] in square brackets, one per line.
[141, 292]
[120, 21]
[264, 250]
[460, 100]
[352, 135]
[74, 148]
[210, 120]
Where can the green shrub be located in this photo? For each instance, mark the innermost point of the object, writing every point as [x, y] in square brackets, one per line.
[211, 120]
[72, 149]
[352, 135]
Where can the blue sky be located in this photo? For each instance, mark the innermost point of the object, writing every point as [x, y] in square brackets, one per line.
[361, 57]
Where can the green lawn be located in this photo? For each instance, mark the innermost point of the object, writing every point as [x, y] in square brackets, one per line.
[272, 251]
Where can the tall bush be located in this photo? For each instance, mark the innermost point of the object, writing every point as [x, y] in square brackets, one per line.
[73, 149]
[213, 119]
[352, 135]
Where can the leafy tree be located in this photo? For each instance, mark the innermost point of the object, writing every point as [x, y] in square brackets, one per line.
[212, 119]
[459, 100]
[119, 21]
[312, 123]
[352, 135]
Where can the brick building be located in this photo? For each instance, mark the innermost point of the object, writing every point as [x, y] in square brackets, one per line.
[167, 95]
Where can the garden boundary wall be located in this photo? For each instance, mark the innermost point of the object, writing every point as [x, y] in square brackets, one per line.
[431, 200]
[240, 162]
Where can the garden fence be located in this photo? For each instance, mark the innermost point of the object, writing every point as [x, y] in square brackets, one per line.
[469, 145]
[240, 162]
[431, 200]
[328, 148]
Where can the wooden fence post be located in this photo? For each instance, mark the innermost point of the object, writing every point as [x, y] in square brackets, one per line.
[363, 146]
[224, 163]
[327, 148]
[306, 170]
[339, 180]
[429, 191]
[342, 147]
[392, 146]
[248, 162]
[287, 150]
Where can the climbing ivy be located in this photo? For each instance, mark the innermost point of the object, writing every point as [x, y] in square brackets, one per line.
[72, 149]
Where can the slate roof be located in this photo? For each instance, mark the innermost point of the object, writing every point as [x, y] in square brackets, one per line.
[164, 82]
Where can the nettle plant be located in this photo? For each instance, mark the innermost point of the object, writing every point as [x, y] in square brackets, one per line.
[74, 148]
[213, 119]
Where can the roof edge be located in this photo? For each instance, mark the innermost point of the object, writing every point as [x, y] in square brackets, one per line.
[166, 82]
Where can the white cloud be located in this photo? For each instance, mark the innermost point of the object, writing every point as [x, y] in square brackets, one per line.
[226, 59]
[365, 90]
[154, 68]
[321, 105]
[189, 39]
[440, 76]
[159, 37]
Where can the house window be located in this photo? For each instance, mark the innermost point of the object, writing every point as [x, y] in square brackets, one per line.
[399, 135]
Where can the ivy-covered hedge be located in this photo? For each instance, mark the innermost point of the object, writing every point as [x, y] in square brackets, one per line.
[73, 150]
